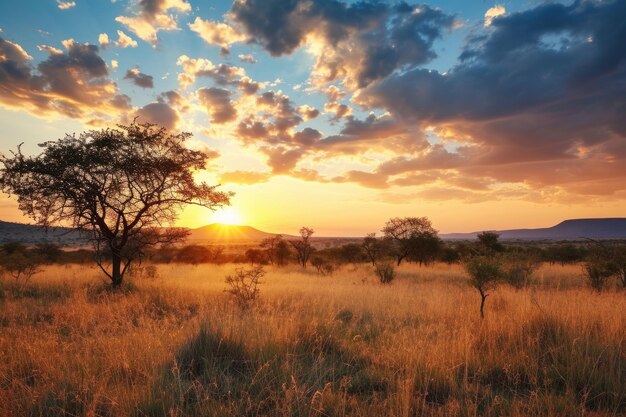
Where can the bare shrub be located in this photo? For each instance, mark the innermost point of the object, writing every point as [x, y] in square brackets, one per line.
[244, 285]
[143, 271]
[322, 266]
[385, 272]
[20, 266]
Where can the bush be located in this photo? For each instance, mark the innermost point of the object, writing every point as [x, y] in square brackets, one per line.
[20, 266]
[143, 271]
[322, 266]
[519, 268]
[244, 285]
[597, 271]
[385, 272]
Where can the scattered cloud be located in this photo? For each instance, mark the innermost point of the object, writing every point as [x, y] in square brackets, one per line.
[216, 33]
[249, 58]
[73, 83]
[64, 5]
[159, 113]
[153, 16]
[218, 103]
[125, 41]
[492, 13]
[139, 78]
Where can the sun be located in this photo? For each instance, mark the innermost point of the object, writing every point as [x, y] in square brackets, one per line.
[227, 215]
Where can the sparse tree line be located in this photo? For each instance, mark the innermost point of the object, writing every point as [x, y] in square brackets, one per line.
[124, 188]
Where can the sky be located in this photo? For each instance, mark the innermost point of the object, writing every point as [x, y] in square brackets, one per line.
[339, 114]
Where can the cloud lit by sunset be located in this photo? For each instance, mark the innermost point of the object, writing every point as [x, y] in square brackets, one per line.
[341, 114]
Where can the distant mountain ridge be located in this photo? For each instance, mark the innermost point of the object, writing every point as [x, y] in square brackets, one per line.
[602, 228]
[221, 232]
[32, 234]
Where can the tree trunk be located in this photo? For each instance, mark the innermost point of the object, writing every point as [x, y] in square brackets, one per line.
[483, 297]
[116, 270]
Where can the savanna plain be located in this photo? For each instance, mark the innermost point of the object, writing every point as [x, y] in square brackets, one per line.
[173, 343]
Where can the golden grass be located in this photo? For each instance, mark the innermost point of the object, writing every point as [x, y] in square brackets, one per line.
[339, 345]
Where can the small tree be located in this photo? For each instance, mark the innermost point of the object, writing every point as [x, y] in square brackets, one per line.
[489, 243]
[607, 259]
[277, 250]
[254, 256]
[408, 234]
[484, 274]
[351, 253]
[597, 269]
[372, 247]
[244, 285]
[20, 266]
[303, 247]
[119, 186]
[322, 266]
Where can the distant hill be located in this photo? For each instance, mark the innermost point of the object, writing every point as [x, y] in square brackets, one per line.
[567, 230]
[225, 232]
[32, 234]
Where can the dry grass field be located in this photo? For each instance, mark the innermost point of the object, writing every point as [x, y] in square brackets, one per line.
[341, 345]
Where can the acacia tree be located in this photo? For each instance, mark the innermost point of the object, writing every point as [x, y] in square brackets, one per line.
[484, 274]
[122, 187]
[276, 249]
[303, 247]
[489, 242]
[374, 248]
[408, 234]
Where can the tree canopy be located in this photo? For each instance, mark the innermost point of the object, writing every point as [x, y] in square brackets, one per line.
[124, 187]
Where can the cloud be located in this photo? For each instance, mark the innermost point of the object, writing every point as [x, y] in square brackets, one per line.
[159, 113]
[358, 43]
[216, 33]
[249, 58]
[125, 41]
[49, 49]
[152, 16]
[534, 101]
[492, 13]
[114, 64]
[244, 177]
[282, 160]
[218, 103]
[139, 78]
[103, 40]
[73, 83]
[64, 5]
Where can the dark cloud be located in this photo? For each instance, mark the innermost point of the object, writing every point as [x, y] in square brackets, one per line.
[282, 160]
[159, 113]
[71, 83]
[543, 89]
[139, 78]
[218, 103]
[362, 42]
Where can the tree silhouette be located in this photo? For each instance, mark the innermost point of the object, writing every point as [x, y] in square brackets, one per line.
[409, 235]
[303, 247]
[121, 186]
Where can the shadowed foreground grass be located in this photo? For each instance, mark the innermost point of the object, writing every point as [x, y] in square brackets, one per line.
[312, 346]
